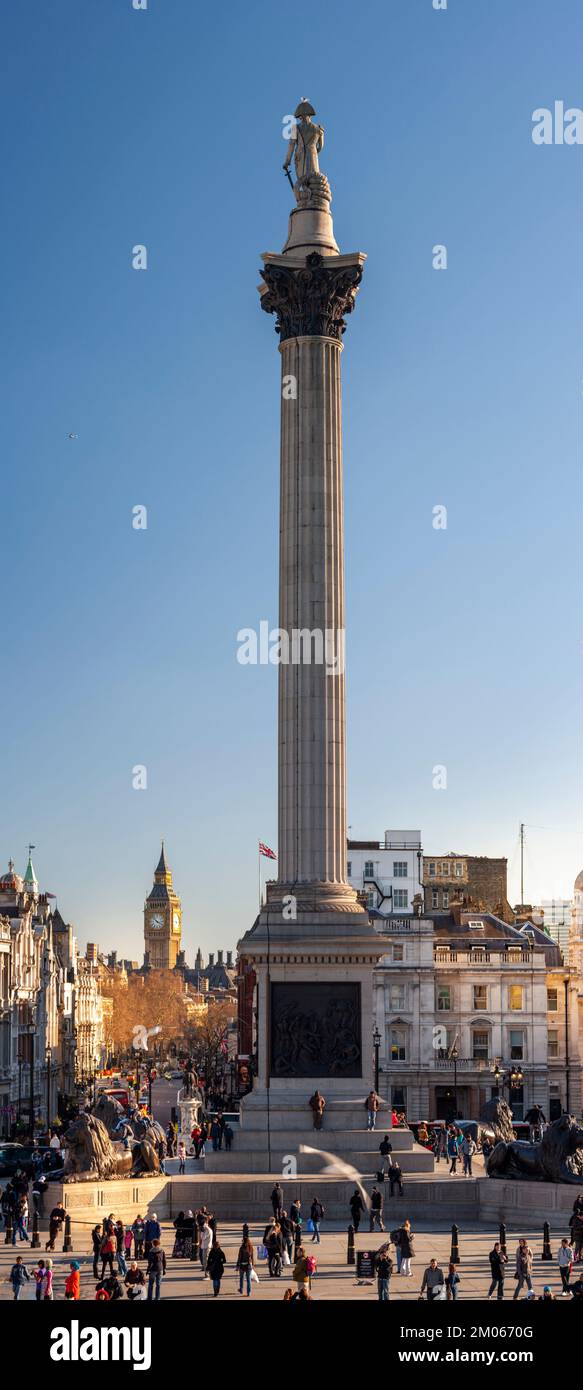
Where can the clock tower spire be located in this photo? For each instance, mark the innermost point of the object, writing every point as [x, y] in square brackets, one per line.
[162, 919]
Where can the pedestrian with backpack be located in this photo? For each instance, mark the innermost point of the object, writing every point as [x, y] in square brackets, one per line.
[316, 1216]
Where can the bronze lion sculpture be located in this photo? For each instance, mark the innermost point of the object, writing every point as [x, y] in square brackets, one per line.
[92, 1154]
[558, 1157]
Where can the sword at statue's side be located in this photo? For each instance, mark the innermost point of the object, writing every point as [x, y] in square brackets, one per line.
[288, 177]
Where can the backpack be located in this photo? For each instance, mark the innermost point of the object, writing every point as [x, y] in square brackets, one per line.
[310, 1264]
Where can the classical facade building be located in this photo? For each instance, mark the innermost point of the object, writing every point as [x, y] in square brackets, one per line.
[462, 992]
[162, 921]
[45, 1007]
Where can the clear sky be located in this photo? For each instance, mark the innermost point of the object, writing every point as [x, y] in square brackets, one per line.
[462, 388]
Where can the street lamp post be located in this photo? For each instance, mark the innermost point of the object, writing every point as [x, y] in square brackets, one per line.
[376, 1037]
[48, 1058]
[30, 1030]
[454, 1057]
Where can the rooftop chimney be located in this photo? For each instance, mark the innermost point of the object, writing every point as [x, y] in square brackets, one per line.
[220, 958]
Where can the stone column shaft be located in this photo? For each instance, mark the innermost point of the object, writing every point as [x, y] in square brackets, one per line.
[312, 755]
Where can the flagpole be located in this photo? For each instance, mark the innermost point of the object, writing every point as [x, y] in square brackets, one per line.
[259, 866]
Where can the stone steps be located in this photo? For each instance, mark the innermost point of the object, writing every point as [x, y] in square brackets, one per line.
[256, 1160]
[338, 1141]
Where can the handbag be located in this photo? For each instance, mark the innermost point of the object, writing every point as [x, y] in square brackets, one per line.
[285, 1258]
[310, 1226]
[261, 1252]
[254, 1275]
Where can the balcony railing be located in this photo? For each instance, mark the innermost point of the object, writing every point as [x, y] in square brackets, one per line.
[480, 957]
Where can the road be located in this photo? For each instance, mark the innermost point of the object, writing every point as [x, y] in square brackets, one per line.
[163, 1099]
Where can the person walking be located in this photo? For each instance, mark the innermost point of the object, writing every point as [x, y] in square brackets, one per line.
[73, 1281]
[107, 1252]
[245, 1261]
[181, 1157]
[152, 1232]
[452, 1283]
[156, 1269]
[216, 1267]
[56, 1219]
[565, 1262]
[468, 1148]
[376, 1209]
[287, 1231]
[384, 1270]
[20, 1220]
[524, 1259]
[453, 1150]
[277, 1201]
[316, 1217]
[18, 1277]
[300, 1273]
[576, 1226]
[433, 1281]
[96, 1242]
[407, 1249]
[395, 1179]
[274, 1246]
[356, 1209]
[205, 1243]
[498, 1261]
[229, 1136]
[372, 1105]
[47, 1283]
[39, 1274]
[385, 1150]
[139, 1230]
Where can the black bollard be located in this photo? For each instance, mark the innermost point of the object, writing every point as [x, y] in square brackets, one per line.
[547, 1252]
[8, 1236]
[454, 1258]
[35, 1242]
[503, 1238]
[350, 1257]
[67, 1243]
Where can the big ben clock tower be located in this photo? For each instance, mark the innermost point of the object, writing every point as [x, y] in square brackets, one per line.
[162, 920]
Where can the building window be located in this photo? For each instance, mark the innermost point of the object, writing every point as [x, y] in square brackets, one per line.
[371, 899]
[552, 1001]
[399, 868]
[398, 952]
[553, 1043]
[368, 868]
[459, 870]
[396, 997]
[480, 996]
[435, 897]
[399, 1098]
[432, 870]
[400, 897]
[445, 898]
[515, 997]
[349, 869]
[480, 1045]
[445, 869]
[443, 998]
[516, 1045]
[397, 1044]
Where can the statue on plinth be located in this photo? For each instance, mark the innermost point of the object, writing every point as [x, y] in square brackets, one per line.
[311, 189]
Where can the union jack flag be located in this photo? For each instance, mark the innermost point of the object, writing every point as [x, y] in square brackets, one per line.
[264, 849]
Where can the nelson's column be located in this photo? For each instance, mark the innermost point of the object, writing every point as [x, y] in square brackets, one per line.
[312, 946]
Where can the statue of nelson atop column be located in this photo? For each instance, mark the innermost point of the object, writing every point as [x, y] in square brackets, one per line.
[306, 143]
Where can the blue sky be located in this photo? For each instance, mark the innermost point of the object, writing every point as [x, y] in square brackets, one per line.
[462, 388]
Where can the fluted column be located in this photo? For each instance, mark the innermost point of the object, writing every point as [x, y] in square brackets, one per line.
[312, 756]
[310, 300]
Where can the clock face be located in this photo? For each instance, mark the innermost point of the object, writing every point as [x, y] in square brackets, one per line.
[176, 920]
[156, 921]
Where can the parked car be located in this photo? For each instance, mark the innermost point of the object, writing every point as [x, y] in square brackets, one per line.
[15, 1156]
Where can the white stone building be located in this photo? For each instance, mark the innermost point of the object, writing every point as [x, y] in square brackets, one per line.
[389, 872]
[495, 992]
